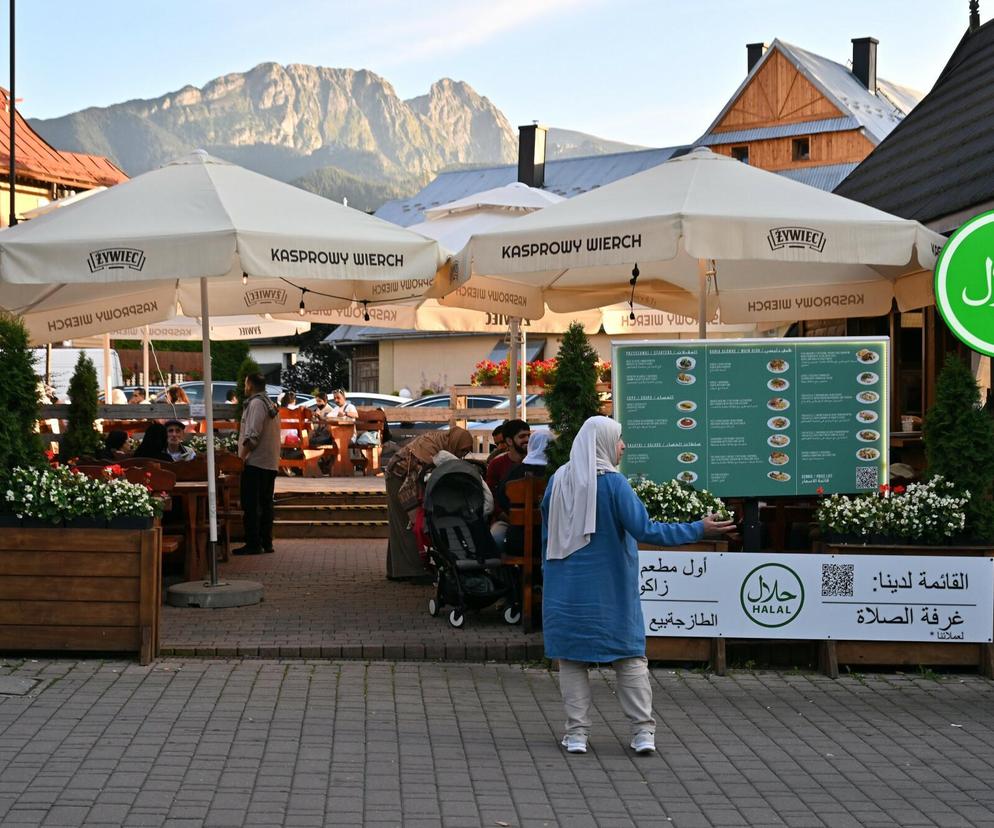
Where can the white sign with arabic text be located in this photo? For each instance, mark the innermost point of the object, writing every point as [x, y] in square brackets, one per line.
[846, 597]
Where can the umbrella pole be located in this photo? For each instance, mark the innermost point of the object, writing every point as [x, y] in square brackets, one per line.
[145, 344]
[512, 368]
[108, 382]
[702, 298]
[524, 375]
[205, 323]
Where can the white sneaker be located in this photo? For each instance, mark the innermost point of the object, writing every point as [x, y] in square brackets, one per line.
[644, 743]
[575, 743]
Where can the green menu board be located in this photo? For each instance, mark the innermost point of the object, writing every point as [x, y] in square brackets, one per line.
[758, 417]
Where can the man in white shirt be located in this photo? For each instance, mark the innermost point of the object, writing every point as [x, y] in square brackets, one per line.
[343, 408]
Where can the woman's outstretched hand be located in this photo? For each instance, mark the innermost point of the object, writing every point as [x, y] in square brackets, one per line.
[715, 527]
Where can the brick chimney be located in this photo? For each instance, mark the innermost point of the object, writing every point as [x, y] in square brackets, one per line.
[864, 61]
[531, 155]
[754, 51]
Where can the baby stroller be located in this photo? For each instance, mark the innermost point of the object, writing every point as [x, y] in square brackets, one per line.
[470, 573]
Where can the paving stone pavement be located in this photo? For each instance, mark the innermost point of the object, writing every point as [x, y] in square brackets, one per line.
[330, 599]
[309, 743]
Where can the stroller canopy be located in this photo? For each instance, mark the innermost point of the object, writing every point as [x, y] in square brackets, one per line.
[454, 488]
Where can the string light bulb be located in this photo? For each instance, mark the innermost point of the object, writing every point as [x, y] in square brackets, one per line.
[365, 310]
[301, 307]
[244, 278]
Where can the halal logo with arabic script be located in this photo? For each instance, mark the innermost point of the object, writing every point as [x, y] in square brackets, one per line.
[772, 595]
[964, 283]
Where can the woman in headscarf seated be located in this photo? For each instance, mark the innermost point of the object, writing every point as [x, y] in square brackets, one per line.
[153, 444]
[404, 496]
[590, 604]
[534, 465]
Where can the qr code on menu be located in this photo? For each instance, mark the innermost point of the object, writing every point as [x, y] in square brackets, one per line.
[836, 580]
[867, 477]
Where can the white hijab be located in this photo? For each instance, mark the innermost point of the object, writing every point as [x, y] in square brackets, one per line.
[573, 503]
[537, 444]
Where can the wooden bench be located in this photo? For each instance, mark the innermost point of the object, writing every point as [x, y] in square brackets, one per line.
[525, 495]
[369, 420]
[298, 421]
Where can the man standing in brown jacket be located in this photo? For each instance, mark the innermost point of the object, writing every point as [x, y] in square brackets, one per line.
[259, 447]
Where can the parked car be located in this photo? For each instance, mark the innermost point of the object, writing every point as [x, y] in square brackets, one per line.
[443, 401]
[367, 399]
[532, 401]
[153, 391]
[195, 391]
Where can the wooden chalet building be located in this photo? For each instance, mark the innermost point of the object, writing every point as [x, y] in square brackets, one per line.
[43, 173]
[807, 117]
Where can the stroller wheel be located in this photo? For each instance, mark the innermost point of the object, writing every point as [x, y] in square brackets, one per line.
[456, 618]
[512, 615]
[432, 607]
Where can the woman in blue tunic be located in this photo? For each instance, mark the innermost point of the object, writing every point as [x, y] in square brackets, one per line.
[590, 605]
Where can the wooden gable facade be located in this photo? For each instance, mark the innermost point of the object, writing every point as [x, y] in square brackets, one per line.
[779, 94]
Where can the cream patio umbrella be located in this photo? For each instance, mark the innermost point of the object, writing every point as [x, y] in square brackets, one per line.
[263, 245]
[452, 225]
[698, 234]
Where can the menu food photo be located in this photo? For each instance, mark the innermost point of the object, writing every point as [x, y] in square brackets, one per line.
[758, 417]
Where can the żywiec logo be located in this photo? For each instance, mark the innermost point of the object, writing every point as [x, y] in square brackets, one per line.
[780, 237]
[265, 296]
[772, 595]
[964, 283]
[116, 258]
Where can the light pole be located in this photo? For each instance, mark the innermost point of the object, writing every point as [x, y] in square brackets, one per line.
[10, 108]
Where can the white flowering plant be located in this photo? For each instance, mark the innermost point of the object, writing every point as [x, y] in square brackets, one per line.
[927, 513]
[57, 493]
[227, 442]
[675, 502]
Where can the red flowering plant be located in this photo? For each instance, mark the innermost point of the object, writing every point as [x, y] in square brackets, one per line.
[603, 371]
[489, 372]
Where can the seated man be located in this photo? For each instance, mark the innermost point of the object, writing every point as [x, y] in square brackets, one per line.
[178, 453]
[497, 438]
[138, 397]
[343, 408]
[516, 434]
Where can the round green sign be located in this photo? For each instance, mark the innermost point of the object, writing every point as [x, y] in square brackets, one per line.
[964, 283]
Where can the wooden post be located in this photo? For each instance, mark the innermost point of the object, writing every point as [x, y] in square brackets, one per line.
[512, 368]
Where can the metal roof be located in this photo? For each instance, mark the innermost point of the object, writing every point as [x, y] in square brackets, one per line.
[566, 177]
[36, 159]
[779, 131]
[825, 177]
[877, 113]
[940, 160]
[363, 335]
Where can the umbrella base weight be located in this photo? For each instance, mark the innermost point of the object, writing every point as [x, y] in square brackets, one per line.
[202, 595]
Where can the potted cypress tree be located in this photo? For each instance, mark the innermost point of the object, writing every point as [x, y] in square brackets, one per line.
[572, 396]
[82, 438]
[959, 445]
[20, 444]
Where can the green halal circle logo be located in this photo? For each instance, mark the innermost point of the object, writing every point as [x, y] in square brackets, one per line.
[964, 283]
[772, 595]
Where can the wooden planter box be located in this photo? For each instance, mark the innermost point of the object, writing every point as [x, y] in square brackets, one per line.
[687, 648]
[905, 653]
[81, 589]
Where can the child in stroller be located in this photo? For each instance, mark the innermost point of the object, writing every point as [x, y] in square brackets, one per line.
[469, 570]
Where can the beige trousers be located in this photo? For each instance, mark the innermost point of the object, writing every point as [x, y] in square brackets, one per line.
[634, 693]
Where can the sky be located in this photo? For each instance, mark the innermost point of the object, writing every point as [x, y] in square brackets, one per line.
[647, 72]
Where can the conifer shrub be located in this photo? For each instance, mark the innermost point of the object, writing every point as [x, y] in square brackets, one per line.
[959, 444]
[20, 445]
[572, 396]
[82, 438]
